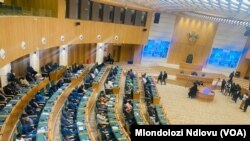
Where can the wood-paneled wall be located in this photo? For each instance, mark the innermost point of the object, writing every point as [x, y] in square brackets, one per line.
[81, 54]
[32, 29]
[181, 47]
[50, 55]
[20, 65]
[244, 63]
[127, 53]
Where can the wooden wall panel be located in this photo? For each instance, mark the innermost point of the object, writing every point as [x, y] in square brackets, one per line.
[127, 53]
[50, 55]
[82, 54]
[32, 29]
[20, 65]
[137, 54]
[244, 63]
[181, 46]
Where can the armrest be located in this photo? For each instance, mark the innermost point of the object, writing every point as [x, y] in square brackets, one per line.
[3, 102]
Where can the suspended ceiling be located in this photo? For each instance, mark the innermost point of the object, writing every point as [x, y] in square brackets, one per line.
[233, 9]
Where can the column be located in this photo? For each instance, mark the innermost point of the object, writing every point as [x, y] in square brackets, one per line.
[3, 74]
[99, 53]
[34, 61]
[63, 55]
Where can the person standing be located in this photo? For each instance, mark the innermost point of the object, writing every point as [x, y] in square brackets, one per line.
[223, 84]
[246, 104]
[160, 78]
[165, 76]
[231, 76]
[245, 97]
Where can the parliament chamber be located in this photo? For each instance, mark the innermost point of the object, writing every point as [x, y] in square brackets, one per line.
[81, 70]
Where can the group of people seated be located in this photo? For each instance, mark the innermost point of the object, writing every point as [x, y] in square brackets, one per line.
[49, 68]
[148, 86]
[109, 83]
[89, 78]
[108, 59]
[104, 100]
[69, 113]
[17, 85]
[32, 112]
[129, 84]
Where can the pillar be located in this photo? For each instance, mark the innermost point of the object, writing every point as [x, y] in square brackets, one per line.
[34, 61]
[99, 53]
[63, 55]
[3, 74]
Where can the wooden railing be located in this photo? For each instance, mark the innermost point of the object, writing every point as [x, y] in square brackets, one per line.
[9, 126]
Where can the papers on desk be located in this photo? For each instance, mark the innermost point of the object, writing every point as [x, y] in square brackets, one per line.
[81, 128]
[79, 123]
[115, 128]
[42, 129]
[45, 113]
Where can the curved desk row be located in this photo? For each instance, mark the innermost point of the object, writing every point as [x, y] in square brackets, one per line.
[42, 128]
[98, 78]
[57, 74]
[58, 105]
[156, 97]
[82, 115]
[116, 88]
[117, 131]
[138, 117]
[12, 116]
[161, 116]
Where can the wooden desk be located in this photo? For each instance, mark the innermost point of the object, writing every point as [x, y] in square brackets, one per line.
[56, 75]
[205, 94]
[195, 67]
[59, 103]
[194, 78]
[116, 90]
[10, 123]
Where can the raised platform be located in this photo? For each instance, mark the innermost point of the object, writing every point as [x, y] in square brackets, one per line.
[195, 67]
[205, 94]
[191, 78]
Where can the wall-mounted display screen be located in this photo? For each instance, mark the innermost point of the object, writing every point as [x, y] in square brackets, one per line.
[156, 48]
[224, 57]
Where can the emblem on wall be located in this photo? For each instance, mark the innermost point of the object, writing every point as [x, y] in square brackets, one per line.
[192, 36]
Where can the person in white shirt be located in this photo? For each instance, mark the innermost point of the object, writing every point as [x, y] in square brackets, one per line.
[19, 137]
[96, 71]
[92, 75]
[101, 119]
[245, 96]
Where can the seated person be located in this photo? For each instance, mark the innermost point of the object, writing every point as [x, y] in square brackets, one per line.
[11, 77]
[31, 70]
[128, 106]
[30, 77]
[101, 119]
[81, 89]
[40, 98]
[24, 82]
[19, 137]
[9, 90]
[29, 120]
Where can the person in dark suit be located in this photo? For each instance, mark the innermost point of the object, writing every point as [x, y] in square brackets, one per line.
[247, 103]
[231, 76]
[31, 70]
[165, 76]
[160, 77]
[223, 84]
[192, 91]
[11, 76]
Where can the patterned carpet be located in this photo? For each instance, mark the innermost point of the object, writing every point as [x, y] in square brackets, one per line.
[182, 110]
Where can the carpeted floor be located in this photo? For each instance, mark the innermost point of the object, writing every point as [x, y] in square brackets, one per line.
[182, 110]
